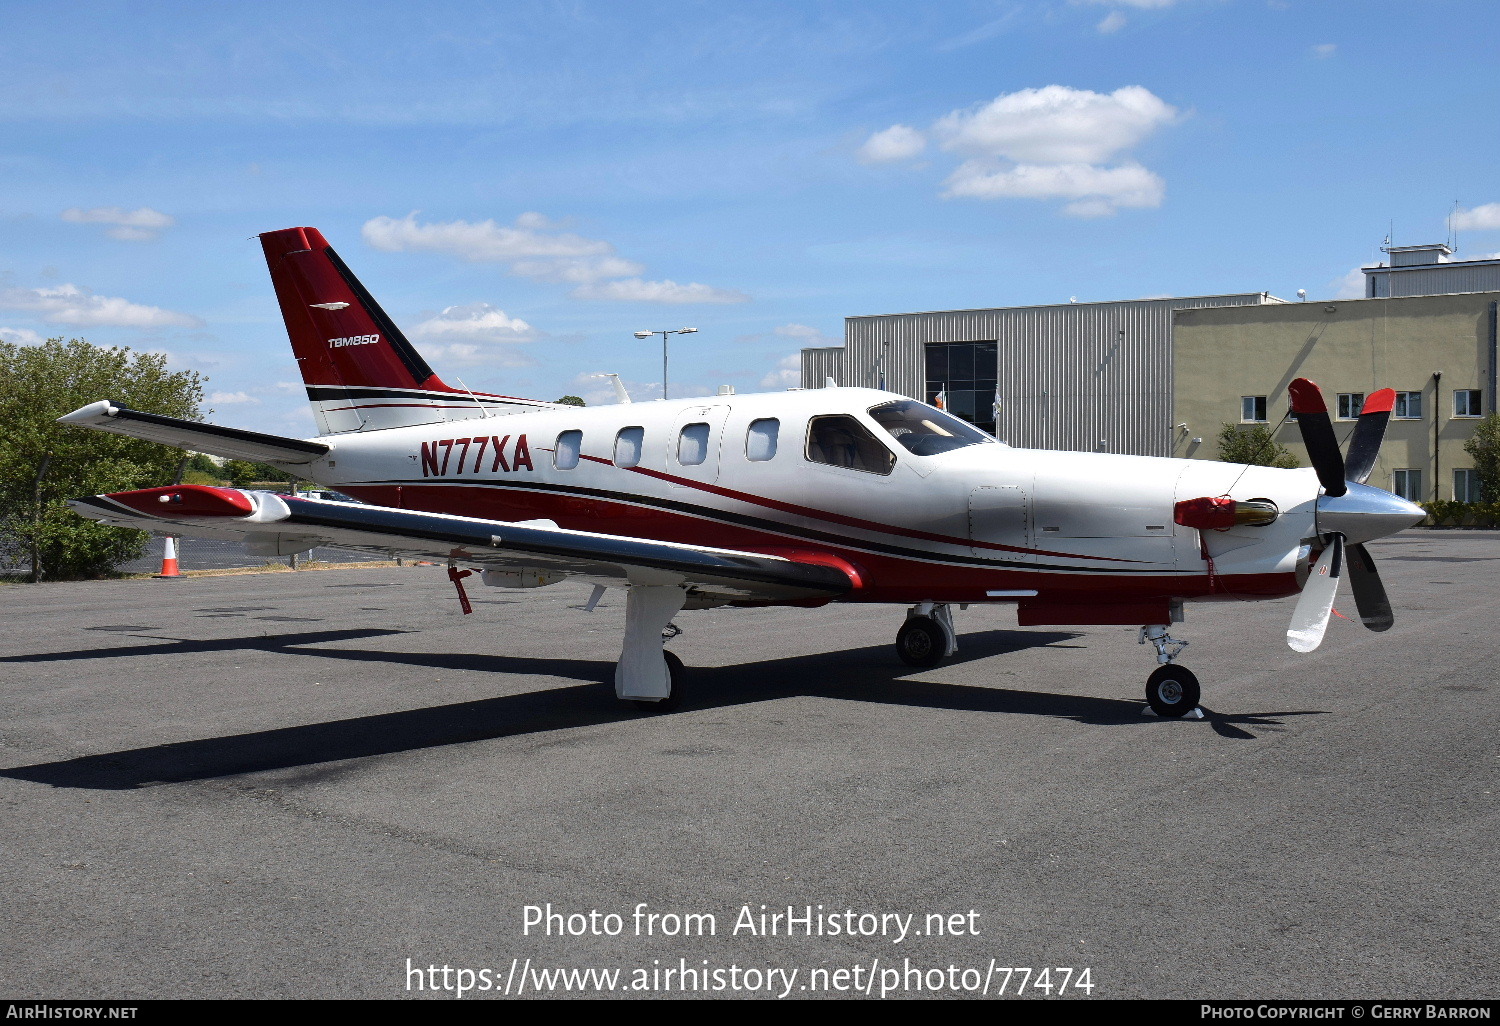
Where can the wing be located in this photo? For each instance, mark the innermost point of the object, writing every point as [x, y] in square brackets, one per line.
[187, 434]
[273, 524]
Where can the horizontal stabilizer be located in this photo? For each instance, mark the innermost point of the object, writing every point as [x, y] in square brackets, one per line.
[268, 522]
[232, 443]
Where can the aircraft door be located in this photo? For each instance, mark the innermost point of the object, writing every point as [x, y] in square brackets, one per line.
[694, 444]
[1000, 515]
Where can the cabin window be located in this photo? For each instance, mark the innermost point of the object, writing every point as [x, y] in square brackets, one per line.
[692, 445]
[760, 440]
[565, 453]
[923, 430]
[628, 446]
[842, 441]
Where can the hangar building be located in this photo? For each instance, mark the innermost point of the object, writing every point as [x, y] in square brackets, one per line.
[1161, 377]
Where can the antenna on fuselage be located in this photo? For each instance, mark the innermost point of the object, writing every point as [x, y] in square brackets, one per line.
[620, 393]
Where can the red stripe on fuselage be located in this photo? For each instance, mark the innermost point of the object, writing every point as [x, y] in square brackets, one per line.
[839, 518]
[884, 577]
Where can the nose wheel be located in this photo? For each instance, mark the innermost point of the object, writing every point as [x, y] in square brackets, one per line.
[1172, 691]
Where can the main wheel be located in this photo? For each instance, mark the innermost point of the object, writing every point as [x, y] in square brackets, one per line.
[676, 673]
[921, 642]
[1172, 691]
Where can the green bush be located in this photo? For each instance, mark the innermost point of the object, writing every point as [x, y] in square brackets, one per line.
[1448, 513]
[38, 384]
[1255, 445]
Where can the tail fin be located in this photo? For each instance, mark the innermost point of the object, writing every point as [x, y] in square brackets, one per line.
[361, 372]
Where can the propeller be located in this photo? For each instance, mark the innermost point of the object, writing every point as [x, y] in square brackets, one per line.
[1349, 513]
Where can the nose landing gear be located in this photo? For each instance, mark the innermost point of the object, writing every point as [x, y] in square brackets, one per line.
[1171, 691]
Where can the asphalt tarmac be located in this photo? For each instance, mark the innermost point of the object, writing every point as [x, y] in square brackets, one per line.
[290, 785]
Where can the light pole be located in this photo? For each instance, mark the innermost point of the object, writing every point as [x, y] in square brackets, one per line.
[664, 334]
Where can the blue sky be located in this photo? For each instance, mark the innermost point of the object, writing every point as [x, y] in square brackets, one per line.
[524, 185]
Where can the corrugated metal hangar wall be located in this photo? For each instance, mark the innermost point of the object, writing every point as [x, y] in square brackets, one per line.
[1081, 376]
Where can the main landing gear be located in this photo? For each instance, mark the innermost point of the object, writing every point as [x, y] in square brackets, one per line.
[647, 675]
[927, 637]
[1171, 691]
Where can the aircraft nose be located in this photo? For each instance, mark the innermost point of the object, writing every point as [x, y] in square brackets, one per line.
[1365, 513]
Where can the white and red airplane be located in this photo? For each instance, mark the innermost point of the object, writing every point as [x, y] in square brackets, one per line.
[790, 498]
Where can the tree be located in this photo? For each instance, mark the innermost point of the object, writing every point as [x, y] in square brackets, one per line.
[1484, 447]
[571, 400]
[1254, 445]
[244, 472]
[43, 463]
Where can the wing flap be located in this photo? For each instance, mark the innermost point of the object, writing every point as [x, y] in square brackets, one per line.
[201, 511]
[232, 443]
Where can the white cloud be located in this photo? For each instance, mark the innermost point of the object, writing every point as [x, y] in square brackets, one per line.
[1111, 23]
[1349, 286]
[1055, 125]
[1480, 218]
[139, 225]
[231, 398]
[536, 248]
[635, 290]
[808, 336]
[72, 305]
[899, 142]
[481, 241]
[1323, 50]
[788, 373]
[1095, 191]
[476, 322]
[20, 336]
[1144, 5]
[1055, 142]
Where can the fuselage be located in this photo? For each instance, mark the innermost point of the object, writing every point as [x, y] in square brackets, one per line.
[981, 522]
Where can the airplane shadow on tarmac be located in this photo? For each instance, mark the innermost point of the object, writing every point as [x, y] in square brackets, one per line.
[869, 674]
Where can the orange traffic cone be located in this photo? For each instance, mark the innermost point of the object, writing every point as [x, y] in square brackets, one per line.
[169, 559]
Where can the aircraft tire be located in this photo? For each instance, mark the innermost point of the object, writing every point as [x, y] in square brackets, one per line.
[921, 642]
[1172, 691]
[678, 673]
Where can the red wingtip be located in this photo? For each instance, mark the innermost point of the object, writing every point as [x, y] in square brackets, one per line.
[1306, 397]
[187, 501]
[1383, 401]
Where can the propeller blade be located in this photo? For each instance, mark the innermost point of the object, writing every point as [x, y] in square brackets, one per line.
[1317, 435]
[1369, 594]
[1364, 447]
[1310, 618]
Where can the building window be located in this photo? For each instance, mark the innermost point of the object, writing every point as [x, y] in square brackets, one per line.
[692, 445]
[1466, 485]
[1407, 484]
[966, 373]
[1350, 404]
[841, 441]
[1466, 402]
[1252, 409]
[760, 440]
[565, 453]
[1408, 406]
[628, 446]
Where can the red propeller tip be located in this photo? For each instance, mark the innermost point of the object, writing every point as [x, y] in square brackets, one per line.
[1383, 401]
[1307, 397]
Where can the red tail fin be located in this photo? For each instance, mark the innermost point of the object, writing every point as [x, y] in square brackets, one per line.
[361, 372]
[339, 334]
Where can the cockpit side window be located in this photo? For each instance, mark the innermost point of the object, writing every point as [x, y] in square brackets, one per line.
[925, 431]
[841, 441]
